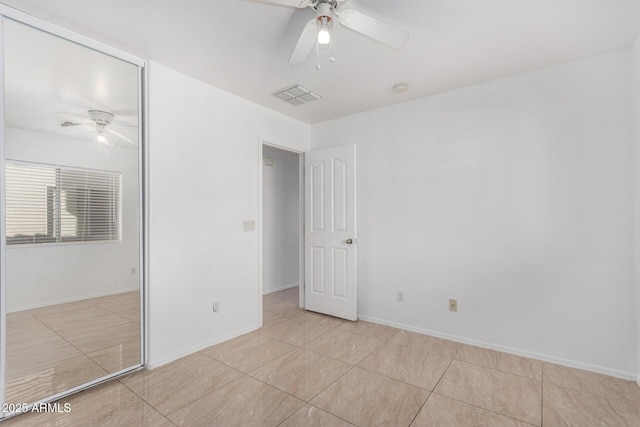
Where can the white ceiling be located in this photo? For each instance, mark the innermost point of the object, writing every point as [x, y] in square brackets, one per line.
[243, 46]
[46, 75]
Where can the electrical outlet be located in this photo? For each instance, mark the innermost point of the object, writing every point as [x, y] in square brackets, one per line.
[216, 306]
[400, 296]
[453, 305]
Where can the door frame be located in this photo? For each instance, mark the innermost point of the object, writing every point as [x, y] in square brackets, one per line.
[261, 143]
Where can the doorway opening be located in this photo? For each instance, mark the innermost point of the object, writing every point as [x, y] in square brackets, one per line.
[326, 224]
[281, 222]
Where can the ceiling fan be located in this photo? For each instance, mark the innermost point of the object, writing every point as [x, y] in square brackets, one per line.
[101, 121]
[318, 30]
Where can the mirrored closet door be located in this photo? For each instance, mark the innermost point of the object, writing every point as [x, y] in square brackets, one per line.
[72, 189]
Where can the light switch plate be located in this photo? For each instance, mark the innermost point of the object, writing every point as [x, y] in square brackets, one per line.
[249, 225]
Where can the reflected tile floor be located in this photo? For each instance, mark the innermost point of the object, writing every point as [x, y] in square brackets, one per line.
[304, 369]
[54, 348]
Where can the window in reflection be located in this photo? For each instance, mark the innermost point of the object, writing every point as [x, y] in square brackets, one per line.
[56, 204]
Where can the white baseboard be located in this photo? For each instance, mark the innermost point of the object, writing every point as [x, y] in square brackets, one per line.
[175, 356]
[74, 299]
[517, 352]
[281, 288]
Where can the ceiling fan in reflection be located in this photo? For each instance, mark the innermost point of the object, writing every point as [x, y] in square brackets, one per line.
[102, 121]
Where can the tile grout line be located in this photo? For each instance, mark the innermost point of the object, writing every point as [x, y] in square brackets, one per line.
[289, 416]
[497, 369]
[318, 336]
[308, 349]
[203, 395]
[111, 302]
[306, 402]
[329, 385]
[301, 347]
[234, 368]
[431, 393]
[396, 379]
[444, 373]
[60, 333]
[288, 352]
[420, 409]
[330, 413]
[117, 314]
[589, 392]
[469, 403]
[485, 409]
[74, 346]
[369, 336]
[582, 391]
[145, 401]
[348, 363]
[198, 398]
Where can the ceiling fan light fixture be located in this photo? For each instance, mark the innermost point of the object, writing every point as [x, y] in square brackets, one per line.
[101, 138]
[318, 32]
[325, 18]
[324, 35]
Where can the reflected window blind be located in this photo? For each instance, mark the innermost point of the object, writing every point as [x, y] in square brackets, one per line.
[53, 204]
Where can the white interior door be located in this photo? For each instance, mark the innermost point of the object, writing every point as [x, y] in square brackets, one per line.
[330, 232]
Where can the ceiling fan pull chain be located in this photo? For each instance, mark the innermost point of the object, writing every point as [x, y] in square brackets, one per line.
[317, 56]
[332, 58]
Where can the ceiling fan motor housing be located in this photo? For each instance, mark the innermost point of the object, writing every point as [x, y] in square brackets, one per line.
[102, 119]
[324, 12]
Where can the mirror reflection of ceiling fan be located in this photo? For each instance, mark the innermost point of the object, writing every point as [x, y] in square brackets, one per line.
[319, 30]
[102, 121]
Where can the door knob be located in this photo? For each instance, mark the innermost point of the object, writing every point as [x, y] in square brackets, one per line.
[349, 241]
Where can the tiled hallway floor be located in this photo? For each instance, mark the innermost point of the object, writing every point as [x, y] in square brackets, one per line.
[304, 369]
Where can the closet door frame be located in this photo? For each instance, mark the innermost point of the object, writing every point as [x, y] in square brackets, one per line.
[8, 12]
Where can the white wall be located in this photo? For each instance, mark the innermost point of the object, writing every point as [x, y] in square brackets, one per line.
[515, 198]
[280, 220]
[39, 275]
[635, 52]
[203, 175]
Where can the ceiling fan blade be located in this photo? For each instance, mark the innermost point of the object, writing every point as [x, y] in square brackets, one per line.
[70, 117]
[124, 124]
[371, 27]
[291, 3]
[305, 44]
[119, 135]
[76, 129]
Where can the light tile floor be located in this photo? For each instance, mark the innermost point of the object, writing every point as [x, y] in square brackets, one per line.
[54, 348]
[304, 369]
